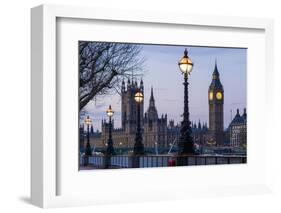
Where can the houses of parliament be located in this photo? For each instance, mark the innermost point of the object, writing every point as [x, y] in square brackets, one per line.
[157, 130]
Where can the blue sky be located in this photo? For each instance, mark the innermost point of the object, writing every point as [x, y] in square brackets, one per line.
[162, 72]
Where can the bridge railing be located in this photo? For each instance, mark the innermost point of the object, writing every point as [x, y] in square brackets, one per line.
[147, 161]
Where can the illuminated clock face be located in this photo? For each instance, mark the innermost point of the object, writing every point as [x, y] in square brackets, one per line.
[211, 95]
[219, 95]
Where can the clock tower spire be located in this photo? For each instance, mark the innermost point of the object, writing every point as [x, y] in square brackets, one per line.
[216, 100]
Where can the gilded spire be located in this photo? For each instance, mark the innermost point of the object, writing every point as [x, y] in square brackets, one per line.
[215, 84]
[141, 85]
[152, 111]
[245, 113]
[151, 95]
[237, 112]
[216, 73]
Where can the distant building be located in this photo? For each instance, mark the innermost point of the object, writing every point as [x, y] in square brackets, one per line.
[199, 133]
[238, 130]
[81, 138]
[173, 133]
[216, 99]
[154, 128]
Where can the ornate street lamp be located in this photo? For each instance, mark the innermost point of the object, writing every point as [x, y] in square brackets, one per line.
[120, 147]
[88, 150]
[110, 148]
[138, 147]
[186, 145]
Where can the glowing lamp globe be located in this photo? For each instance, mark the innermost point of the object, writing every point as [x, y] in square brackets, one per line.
[88, 121]
[109, 111]
[185, 64]
[138, 97]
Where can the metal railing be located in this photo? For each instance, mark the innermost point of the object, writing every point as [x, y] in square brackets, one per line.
[147, 161]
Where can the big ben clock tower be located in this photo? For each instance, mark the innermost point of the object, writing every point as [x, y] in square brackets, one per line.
[216, 98]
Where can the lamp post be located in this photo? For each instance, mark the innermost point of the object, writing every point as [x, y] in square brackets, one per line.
[156, 148]
[185, 140]
[120, 148]
[88, 149]
[110, 148]
[138, 147]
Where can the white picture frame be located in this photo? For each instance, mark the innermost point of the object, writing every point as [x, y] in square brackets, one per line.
[44, 154]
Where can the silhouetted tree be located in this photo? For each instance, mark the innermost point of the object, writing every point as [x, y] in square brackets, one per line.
[102, 65]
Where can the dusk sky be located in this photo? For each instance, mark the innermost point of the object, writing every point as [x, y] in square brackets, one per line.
[162, 72]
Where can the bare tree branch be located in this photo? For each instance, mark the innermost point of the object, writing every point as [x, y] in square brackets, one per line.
[102, 65]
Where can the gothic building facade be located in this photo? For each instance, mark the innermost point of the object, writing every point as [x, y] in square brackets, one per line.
[199, 133]
[238, 130]
[154, 127]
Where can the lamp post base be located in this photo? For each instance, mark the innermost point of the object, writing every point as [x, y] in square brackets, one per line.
[138, 149]
[186, 145]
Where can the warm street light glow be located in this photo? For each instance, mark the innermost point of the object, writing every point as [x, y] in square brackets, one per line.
[185, 141]
[138, 146]
[88, 149]
[109, 111]
[88, 121]
[185, 64]
[110, 148]
[139, 97]
[211, 141]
